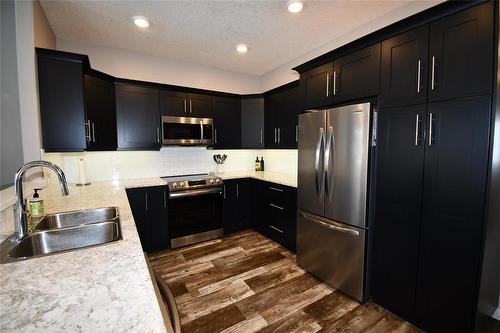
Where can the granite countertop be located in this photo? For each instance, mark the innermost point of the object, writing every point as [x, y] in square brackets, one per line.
[106, 288]
[100, 289]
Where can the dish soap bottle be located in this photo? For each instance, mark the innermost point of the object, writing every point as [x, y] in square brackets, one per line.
[261, 163]
[257, 164]
[36, 204]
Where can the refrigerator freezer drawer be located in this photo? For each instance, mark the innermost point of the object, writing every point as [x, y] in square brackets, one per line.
[333, 252]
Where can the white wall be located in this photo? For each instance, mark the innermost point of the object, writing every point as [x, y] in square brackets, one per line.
[139, 66]
[102, 166]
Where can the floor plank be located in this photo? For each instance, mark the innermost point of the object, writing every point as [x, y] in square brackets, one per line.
[246, 283]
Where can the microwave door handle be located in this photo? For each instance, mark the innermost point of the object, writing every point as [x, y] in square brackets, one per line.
[201, 132]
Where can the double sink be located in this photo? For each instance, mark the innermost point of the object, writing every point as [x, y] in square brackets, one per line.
[65, 232]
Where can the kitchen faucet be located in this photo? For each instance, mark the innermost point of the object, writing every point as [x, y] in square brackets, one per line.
[20, 208]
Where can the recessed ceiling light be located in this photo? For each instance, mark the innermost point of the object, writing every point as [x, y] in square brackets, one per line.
[295, 6]
[241, 48]
[141, 21]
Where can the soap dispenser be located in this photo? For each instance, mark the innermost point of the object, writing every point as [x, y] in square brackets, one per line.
[36, 204]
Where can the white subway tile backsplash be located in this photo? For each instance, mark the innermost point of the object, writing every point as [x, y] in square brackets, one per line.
[168, 161]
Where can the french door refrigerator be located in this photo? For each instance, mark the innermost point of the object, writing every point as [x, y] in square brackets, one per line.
[333, 163]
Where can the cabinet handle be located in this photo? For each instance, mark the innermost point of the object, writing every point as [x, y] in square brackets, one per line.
[277, 229]
[215, 136]
[237, 191]
[93, 132]
[275, 139]
[431, 125]
[275, 189]
[276, 206]
[146, 196]
[224, 191]
[185, 107]
[433, 73]
[165, 199]
[419, 70]
[327, 84]
[417, 130]
[296, 133]
[190, 107]
[261, 135]
[87, 128]
[279, 135]
[158, 134]
[334, 83]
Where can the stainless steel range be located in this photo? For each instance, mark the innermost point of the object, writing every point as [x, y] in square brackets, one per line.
[194, 208]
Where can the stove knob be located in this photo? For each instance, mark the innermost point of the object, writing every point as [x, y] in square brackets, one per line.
[174, 185]
[217, 181]
[211, 181]
[181, 184]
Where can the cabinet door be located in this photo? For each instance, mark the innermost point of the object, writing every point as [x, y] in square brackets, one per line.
[316, 86]
[100, 113]
[173, 103]
[404, 68]
[398, 202]
[455, 169]
[157, 206]
[288, 118]
[357, 75]
[271, 121]
[460, 52]
[252, 123]
[138, 199]
[199, 105]
[62, 104]
[244, 194]
[227, 121]
[138, 118]
[230, 207]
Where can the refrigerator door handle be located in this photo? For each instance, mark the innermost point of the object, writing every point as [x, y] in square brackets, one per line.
[318, 156]
[331, 226]
[329, 143]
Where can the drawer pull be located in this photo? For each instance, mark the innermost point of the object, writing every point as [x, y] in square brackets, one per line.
[274, 228]
[275, 189]
[276, 206]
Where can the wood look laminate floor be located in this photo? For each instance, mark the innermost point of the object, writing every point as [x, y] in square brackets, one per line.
[248, 283]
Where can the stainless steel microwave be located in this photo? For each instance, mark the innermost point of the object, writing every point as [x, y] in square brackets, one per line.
[187, 131]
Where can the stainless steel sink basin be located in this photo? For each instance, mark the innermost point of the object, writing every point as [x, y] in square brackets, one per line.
[51, 241]
[68, 219]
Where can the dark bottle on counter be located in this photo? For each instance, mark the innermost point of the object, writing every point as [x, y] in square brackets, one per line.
[261, 163]
[257, 164]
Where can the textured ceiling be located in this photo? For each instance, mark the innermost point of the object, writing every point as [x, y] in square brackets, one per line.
[205, 32]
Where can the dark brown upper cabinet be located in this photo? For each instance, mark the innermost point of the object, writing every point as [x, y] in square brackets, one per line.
[138, 117]
[100, 111]
[316, 86]
[182, 104]
[281, 118]
[404, 68]
[252, 122]
[356, 75]
[461, 48]
[227, 122]
[62, 101]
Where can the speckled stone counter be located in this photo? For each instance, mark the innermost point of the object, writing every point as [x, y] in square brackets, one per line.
[100, 289]
[273, 177]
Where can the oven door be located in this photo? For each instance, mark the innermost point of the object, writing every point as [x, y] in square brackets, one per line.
[194, 216]
[187, 131]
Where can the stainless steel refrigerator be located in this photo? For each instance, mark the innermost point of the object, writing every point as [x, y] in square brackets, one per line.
[333, 167]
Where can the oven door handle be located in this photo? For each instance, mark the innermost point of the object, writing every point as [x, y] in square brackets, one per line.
[193, 193]
[201, 130]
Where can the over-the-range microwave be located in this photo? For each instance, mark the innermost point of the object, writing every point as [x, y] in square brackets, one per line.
[187, 131]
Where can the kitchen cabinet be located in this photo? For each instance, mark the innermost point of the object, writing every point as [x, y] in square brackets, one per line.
[252, 123]
[431, 187]
[237, 203]
[149, 208]
[356, 75]
[281, 118]
[227, 122]
[404, 68]
[275, 210]
[138, 117]
[315, 86]
[62, 101]
[100, 111]
[460, 52]
[173, 103]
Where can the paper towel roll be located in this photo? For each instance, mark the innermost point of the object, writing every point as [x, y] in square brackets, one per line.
[82, 170]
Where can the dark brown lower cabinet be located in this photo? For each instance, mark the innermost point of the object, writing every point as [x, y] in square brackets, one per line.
[149, 208]
[431, 187]
[237, 204]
